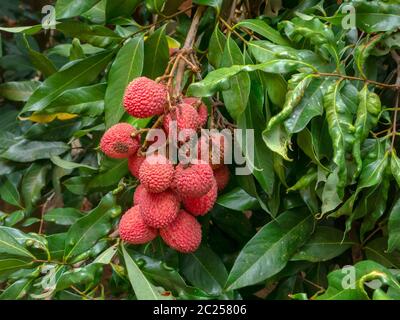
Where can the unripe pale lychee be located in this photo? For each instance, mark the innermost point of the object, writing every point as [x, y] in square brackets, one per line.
[134, 163]
[186, 119]
[137, 196]
[214, 146]
[193, 180]
[117, 141]
[159, 209]
[202, 110]
[199, 206]
[156, 173]
[221, 176]
[133, 229]
[144, 98]
[183, 234]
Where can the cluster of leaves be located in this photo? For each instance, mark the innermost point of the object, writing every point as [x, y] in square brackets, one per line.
[325, 188]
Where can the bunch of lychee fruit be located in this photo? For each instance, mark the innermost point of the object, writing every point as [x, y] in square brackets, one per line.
[170, 196]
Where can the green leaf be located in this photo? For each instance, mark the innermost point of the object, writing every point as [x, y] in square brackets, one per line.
[127, 66]
[394, 228]
[211, 3]
[14, 218]
[270, 249]
[155, 6]
[262, 28]
[110, 175]
[76, 51]
[216, 47]
[73, 75]
[366, 119]
[85, 101]
[63, 216]
[205, 270]
[395, 166]
[325, 244]
[342, 286]
[18, 90]
[85, 232]
[274, 135]
[41, 62]
[9, 192]
[156, 54]
[70, 8]
[341, 130]
[69, 165]
[376, 250]
[79, 276]
[144, 289]
[17, 290]
[237, 199]
[33, 182]
[29, 30]
[9, 245]
[363, 50]
[120, 8]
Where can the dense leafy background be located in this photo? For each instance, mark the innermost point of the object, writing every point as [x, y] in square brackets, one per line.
[323, 103]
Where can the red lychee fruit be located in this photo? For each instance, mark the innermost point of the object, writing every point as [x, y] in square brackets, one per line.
[221, 176]
[132, 228]
[117, 141]
[156, 173]
[202, 110]
[144, 98]
[159, 209]
[137, 196]
[183, 234]
[186, 120]
[212, 148]
[193, 180]
[134, 163]
[199, 206]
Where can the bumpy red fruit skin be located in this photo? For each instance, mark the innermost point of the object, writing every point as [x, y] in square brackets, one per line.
[193, 180]
[137, 196]
[156, 173]
[117, 141]
[183, 234]
[144, 98]
[159, 209]
[201, 205]
[221, 176]
[133, 229]
[185, 116]
[202, 110]
[134, 163]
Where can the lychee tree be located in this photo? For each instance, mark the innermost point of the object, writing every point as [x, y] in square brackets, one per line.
[85, 214]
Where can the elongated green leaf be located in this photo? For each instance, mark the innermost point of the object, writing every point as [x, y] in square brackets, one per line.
[211, 3]
[144, 290]
[41, 62]
[70, 8]
[156, 54]
[394, 228]
[262, 28]
[26, 30]
[269, 250]
[63, 216]
[17, 290]
[120, 8]
[216, 47]
[205, 270]
[85, 101]
[376, 250]
[9, 245]
[85, 232]
[395, 166]
[75, 74]
[367, 118]
[18, 90]
[32, 184]
[9, 192]
[326, 243]
[11, 263]
[127, 65]
[69, 165]
[341, 130]
[238, 199]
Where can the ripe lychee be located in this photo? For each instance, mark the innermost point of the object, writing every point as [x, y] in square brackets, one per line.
[186, 120]
[159, 209]
[202, 110]
[132, 228]
[193, 180]
[156, 173]
[183, 234]
[117, 141]
[134, 163]
[221, 176]
[137, 196]
[199, 206]
[144, 98]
